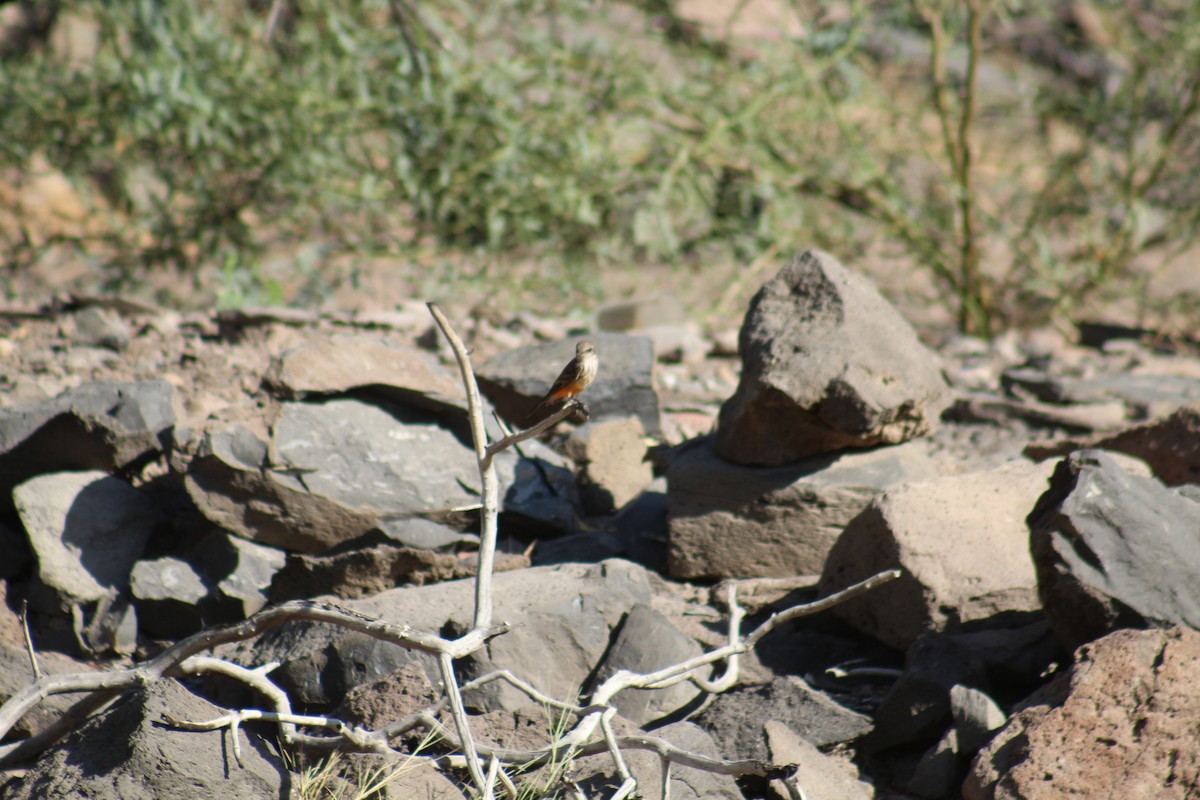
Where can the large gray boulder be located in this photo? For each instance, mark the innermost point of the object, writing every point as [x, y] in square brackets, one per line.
[1114, 550]
[827, 364]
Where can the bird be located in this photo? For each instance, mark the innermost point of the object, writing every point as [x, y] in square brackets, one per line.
[575, 377]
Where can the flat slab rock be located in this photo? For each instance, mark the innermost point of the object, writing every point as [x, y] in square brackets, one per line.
[730, 520]
[1122, 723]
[1114, 550]
[827, 364]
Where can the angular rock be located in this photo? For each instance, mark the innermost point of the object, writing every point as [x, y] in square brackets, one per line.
[939, 770]
[104, 425]
[641, 526]
[648, 642]
[962, 545]
[337, 470]
[1171, 446]
[562, 620]
[127, 753]
[167, 592]
[231, 483]
[372, 706]
[736, 718]
[1114, 550]
[16, 675]
[817, 774]
[339, 364]
[976, 718]
[238, 572]
[1121, 724]
[728, 520]
[515, 381]
[86, 530]
[919, 705]
[612, 457]
[827, 364]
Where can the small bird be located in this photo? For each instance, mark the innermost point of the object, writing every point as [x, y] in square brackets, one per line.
[575, 377]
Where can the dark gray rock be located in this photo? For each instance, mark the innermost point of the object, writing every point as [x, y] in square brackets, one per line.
[729, 520]
[15, 555]
[736, 718]
[86, 529]
[515, 381]
[827, 364]
[238, 574]
[940, 769]
[819, 775]
[167, 592]
[337, 470]
[1114, 550]
[647, 642]
[642, 527]
[127, 753]
[104, 425]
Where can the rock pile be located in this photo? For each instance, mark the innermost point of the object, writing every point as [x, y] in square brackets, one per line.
[160, 473]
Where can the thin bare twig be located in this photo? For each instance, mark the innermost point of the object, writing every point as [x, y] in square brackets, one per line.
[33, 661]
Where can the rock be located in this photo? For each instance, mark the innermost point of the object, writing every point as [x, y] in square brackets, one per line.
[646, 767]
[337, 470]
[127, 753]
[101, 327]
[663, 308]
[962, 545]
[167, 592]
[515, 381]
[338, 364]
[612, 458]
[819, 775]
[562, 619]
[230, 481]
[976, 718]
[641, 526]
[939, 771]
[728, 520]
[1171, 446]
[827, 364]
[736, 718]
[1121, 724]
[371, 569]
[239, 573]
[646, 642]
[919, 706]
[393, 697]
[677, 343]
[86, 530]
[104, 425]
[1114, 550]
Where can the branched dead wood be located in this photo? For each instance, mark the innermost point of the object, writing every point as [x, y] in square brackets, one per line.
[591, 733]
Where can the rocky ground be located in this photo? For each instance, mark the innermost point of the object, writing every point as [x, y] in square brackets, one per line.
[163, 472]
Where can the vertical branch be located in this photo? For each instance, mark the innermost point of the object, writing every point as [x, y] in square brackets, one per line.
[974, 312]
[459, 712]
[487, 473]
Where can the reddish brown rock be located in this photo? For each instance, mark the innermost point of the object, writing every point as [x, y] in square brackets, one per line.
[1121, 724]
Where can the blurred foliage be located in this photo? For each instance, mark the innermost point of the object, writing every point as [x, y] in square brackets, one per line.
[604, 132]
